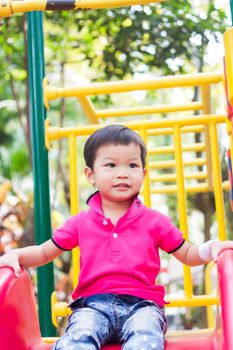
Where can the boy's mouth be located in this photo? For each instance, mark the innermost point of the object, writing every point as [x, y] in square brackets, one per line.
[122, 185]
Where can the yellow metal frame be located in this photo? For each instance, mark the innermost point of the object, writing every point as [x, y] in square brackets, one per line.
[83, 93]
[175, 126]
[175, 181]
[208, 290]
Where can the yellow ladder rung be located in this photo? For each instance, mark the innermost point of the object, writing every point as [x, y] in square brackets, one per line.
[173, 177]
[169, 130]
[200, 187]
[122, 112]
[172, 163]
[197, 147]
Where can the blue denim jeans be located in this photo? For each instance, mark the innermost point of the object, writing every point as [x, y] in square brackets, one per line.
[137, 323]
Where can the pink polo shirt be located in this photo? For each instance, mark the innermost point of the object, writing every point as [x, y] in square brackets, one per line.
[121, 258]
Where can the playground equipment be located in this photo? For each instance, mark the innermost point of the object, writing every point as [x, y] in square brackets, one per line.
[20, 330]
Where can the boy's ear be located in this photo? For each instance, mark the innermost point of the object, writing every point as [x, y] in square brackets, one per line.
[144, 172]
[89, 175]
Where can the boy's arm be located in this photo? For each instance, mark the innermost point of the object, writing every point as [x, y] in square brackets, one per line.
[31, 256]
[192, 255]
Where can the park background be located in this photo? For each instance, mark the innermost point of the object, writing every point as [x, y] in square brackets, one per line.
[170, 38]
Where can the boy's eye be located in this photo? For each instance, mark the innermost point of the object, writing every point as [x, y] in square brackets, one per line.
[133, 165]
[110, 165]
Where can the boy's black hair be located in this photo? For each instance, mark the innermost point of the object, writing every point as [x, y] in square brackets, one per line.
[112, 134]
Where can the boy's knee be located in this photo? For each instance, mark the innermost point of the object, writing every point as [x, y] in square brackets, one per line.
[144, 341]
[147, 319]
[80, 340]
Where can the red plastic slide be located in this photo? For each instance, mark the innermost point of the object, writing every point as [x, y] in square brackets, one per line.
[19, 326]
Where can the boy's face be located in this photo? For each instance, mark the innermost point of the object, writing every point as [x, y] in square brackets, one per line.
[117, 172]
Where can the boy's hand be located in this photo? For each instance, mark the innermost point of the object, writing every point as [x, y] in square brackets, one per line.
[216, 247]
[11, 259]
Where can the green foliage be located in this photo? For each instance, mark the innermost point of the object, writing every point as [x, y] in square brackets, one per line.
[13, 110]
[121, 42]
[14, 161]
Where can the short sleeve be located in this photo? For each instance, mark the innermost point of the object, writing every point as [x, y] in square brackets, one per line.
[171, 238]
[65, 237]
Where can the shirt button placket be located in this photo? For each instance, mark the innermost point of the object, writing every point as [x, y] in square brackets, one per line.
[115, 246]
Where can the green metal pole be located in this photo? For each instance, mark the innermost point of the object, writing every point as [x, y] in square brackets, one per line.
[40, 165]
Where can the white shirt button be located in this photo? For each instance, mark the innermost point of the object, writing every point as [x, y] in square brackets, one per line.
[115, 235]
[105, 222]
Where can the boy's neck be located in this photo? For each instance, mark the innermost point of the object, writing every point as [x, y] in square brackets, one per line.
[115, 210]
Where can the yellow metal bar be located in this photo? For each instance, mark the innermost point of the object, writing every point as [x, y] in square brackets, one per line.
[73, 175]
[173, 189]
[132, 85]
[50, 340]
[172, 163]
[88, 109]
[205, 97]
[114, 112]
[180, 182]
[217, 178]
[45, 92]
[196, 147]
[172, 177]
[169, 131]
[228, 44]
[55, 133]
[194, 301]
[146, 184]
[182, 209]
[200, 187]
[188, 332]
[208, 290]
[58, 309]
[74, 201]
[47, 140]
[10, 7]
[101, 4]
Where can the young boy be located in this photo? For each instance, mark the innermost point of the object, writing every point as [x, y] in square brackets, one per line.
[117, 298]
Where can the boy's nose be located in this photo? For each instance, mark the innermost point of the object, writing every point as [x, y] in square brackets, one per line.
[122, 173]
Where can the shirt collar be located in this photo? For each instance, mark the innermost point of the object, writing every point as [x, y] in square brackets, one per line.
[95, 204]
